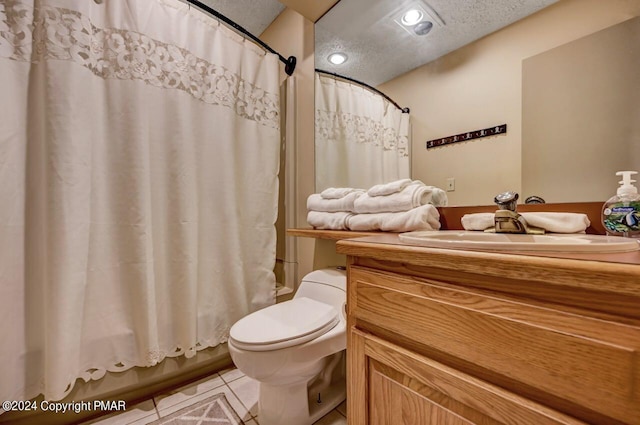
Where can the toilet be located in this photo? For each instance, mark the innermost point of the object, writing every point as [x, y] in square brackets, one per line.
[296, 351]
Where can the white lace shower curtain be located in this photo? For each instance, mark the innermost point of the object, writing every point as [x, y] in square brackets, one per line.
[139, 151]
[361, 139]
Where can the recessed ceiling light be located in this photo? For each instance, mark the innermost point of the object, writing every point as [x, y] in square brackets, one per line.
[337, 58]
[411, 17]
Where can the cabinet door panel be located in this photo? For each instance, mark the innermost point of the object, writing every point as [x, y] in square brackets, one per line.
[587, 361]
[407, 388]
[393, 403]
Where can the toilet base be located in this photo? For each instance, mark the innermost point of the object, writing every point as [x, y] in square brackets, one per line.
[306, 402]
[293, 405]
[330, 399]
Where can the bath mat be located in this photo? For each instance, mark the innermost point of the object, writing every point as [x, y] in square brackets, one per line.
[213, 410]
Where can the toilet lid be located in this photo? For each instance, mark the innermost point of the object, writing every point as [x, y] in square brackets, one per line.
[283, 325]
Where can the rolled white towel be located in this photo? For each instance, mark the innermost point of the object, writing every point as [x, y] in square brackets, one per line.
[390, 188]
[338, 192]
[316, 202]
[412, 196]
[425, 217]
[477, 221]
[554, 222]
[328, 220]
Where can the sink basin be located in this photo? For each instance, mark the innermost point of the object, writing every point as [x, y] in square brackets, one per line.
[516, 242]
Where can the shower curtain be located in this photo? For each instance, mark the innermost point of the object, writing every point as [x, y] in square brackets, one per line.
[139, 151]
[361, 139]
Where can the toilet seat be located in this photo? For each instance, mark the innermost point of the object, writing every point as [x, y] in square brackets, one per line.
[283, 325]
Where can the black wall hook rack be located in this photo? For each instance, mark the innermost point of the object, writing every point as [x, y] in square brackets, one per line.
[465, 137]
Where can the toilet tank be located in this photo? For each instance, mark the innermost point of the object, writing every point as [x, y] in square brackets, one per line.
[326, 285]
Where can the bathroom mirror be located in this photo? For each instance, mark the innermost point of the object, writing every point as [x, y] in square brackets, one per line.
[564, 148]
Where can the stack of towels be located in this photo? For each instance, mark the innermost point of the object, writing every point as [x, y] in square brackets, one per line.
[400, 206]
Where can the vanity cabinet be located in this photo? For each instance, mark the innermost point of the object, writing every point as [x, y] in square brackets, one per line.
[460, 337]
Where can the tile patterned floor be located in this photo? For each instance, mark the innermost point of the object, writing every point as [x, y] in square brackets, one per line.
[240, 390]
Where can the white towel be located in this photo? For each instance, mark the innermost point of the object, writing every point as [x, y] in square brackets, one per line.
[338, 192]
[316, 202]
[477, 221]
[328, 220]
[412, 196]
[425, 217]
[554, 222]
[438, 197]
[389, 188]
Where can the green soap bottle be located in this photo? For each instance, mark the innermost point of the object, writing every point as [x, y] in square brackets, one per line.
[621, 213]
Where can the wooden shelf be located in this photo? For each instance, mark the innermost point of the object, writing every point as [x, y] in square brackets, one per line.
[335, 235]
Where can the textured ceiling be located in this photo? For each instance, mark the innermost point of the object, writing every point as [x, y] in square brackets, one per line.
[379, 49]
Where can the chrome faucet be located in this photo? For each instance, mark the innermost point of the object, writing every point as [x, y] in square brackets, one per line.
[507, 219]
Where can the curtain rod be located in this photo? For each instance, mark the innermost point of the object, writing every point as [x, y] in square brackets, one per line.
[289, 63]
[404, 110]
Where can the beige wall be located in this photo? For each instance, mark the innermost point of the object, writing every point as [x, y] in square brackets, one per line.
[479, 86]
[291, 34]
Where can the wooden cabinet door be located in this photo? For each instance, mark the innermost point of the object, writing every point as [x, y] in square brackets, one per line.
[389, 385]
[393, 401]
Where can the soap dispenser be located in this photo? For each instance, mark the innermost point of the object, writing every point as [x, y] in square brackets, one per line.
[621, 213]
